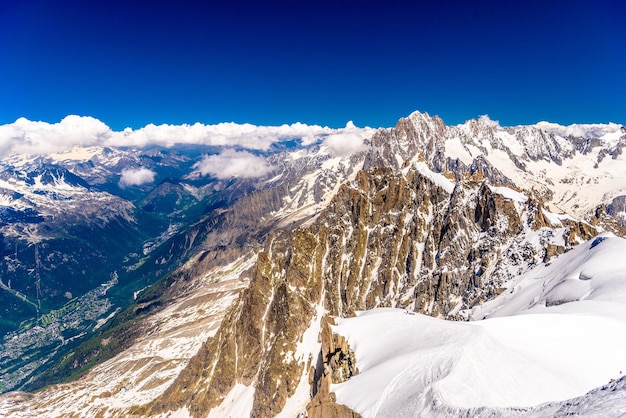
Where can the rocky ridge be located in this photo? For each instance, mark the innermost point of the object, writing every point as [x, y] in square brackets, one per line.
[386, 239]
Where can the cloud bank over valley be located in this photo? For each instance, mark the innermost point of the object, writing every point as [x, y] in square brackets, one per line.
[37, 138]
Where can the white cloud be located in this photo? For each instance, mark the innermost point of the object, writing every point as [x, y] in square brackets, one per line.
[223, 134]
[342, 145]
[24, 136]
[488, 121]
[308, 140]
[347, 141]
[136, 177]
[230, 163]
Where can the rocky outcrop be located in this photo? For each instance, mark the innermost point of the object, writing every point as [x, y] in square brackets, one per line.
[611, 217]
[256, 336]
[551, 251]
[338, 360]
[337, 365]
[322, 407]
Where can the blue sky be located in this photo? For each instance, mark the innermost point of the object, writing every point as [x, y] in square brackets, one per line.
[318, 62]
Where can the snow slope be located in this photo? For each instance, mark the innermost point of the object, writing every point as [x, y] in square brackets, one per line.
[589, 279]
[558, 335]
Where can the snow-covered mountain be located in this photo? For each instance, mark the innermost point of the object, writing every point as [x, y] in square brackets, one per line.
[557, 162]
[246, 257]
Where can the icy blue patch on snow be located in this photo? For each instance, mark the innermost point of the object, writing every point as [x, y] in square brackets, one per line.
[597, 241]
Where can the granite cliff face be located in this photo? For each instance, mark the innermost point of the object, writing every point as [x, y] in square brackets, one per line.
[387, 238]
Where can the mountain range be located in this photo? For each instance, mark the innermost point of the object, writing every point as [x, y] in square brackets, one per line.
[409, 271]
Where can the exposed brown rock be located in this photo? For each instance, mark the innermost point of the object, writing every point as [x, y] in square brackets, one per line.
[329, 408]
[338, 365]
[552, 250]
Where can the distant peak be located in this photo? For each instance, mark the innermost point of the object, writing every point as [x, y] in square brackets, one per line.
[417, 113]
[418, 116]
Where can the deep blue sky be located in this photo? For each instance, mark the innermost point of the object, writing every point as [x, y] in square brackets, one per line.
[319, 62]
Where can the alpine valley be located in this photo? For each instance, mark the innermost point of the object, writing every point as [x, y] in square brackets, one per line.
[298, 271]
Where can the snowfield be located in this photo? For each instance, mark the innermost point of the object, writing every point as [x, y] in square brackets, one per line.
[558, 332]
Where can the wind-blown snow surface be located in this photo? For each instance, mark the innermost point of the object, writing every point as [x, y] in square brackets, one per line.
[560, 332]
